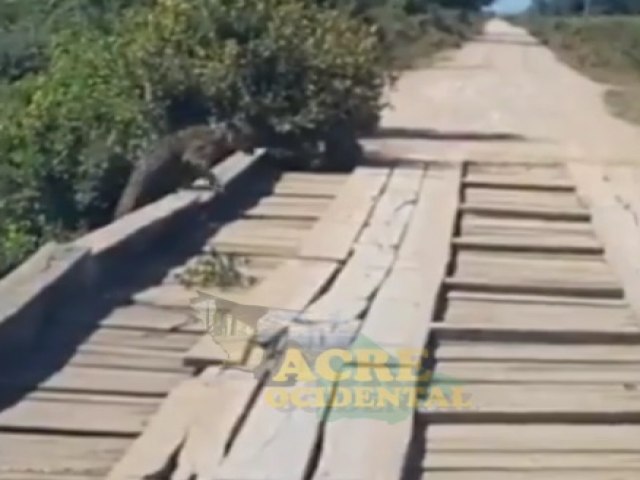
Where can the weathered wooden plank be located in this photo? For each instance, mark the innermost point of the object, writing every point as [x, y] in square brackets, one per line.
[50, 476]
[314, 177]
[308, 189]
[291, 287]
[78, 414]
[374, 251]
[307, 212]
[506, 403]
[213, 428]
[256, 246]
[595, 303]
[553, 438]
[225, 349]
[151, 453]
[554, 315]
[531, 264]
[548, 213]
[474, 224]
[126, 358]
[538, 373]
[548, 331]
[97, 380]
[144, 317]
[501, 181]
[45, 455]
[276, 444]
[521, 198]
[529, 170]
[540, 461]
[408, 298]
[551, 245]
[365, 448]
[549, 474]
[332, 237]
[536, 352]
[149, 340]
[594, 289]
[273, 443]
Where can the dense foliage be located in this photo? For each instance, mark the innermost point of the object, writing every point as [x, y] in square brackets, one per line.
[88, 85]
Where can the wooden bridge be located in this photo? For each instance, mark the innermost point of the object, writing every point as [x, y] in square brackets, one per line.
[518, 280]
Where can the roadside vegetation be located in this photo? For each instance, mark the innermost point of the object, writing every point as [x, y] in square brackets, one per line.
[88, 85]
[604, 47]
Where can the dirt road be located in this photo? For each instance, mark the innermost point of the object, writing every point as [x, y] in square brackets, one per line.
[505, 96]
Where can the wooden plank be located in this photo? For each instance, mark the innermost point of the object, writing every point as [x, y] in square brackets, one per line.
[50, 476]
[214, 425]
[410, 294]
[521, 198]
[147, 340]
[595, 303]
[581, 246]
[285, 211]
[126, 358]
[314, 177]
[292, 287]
[63, 413]
[374, 251]
[256, 246]
[144, 317]
[45, 455]
[556, 438]
[532, 373]
[536, 352]
[540, 461]
[364, 448]
[550, 474]
[554, 270]
[151, 454]
[506, 403]
[524, 170]
[263, 228]
[610, 193]
[97, 380]
[276, 444]
[294, 284]
[569, 214]
[605, 290]
[273, 443]
[506, 313]
[526, 230]
[350, 293]
[307, 189]
[548, 331]
[500, 181]
[332, 237]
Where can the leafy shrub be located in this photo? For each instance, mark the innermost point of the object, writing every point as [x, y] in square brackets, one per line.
[294, 70]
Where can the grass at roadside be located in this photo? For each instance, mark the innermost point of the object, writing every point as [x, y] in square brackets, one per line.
[607, 49]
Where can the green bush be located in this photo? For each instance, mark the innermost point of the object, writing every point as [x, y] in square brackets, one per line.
[296, 71]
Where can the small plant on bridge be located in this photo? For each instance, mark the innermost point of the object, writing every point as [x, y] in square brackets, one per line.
[216, 269]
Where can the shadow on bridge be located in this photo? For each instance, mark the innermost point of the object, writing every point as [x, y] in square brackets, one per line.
[438, 135]
[67, 329]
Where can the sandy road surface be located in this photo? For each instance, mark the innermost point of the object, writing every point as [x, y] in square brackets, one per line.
[505, 96]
